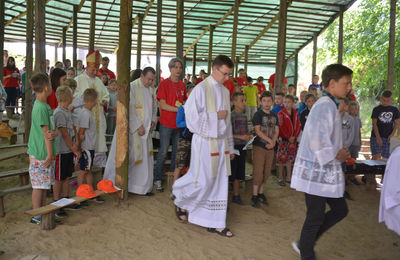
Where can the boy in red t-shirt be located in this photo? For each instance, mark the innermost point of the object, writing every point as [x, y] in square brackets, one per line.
[171, 94]
[260, 85]
[242, 79]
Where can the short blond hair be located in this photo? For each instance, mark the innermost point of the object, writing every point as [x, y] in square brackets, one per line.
[62, 93]
[90, 95]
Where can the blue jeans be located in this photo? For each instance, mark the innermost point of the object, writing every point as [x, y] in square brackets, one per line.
[167, 136]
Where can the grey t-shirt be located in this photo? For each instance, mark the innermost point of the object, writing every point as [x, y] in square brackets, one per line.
[113, 103]
[239, 126]
[63, 118]
[86, 120]
[357, 126]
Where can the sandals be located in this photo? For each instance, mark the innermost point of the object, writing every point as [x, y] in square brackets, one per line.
[179, 214]
[223, 232]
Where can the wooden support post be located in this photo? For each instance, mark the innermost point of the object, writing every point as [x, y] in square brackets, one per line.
[28, 67]
[314, 59]
[280, 55]
[210, 49]
[237, 59]
[179, 32]
[93, 24]
[123, 71]
[139, 42]
[246, 57]
[158, 43]
[64, 44]
[40, 36]
[2, 37]
[234, 31]
[194, 60]
[340, 41]
[296, 70]
[75, 36]
[55, 53]
[392, 44]
[47, 221]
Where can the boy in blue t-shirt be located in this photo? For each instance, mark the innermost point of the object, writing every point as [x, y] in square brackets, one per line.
[278, 102]
[41, 144]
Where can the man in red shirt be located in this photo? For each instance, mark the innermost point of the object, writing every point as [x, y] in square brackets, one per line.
[260, 85]
[230, 85]
[171, 94]
[104, 68]
[242, 79]
[201, 76]
[271, 82]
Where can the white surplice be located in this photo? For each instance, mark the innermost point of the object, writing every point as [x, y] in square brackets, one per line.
[389, 209]
[205, 197]
[84, 82]
[140, 177]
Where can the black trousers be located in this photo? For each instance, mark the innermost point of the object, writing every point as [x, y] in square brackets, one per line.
[11, 96]
[317, 221]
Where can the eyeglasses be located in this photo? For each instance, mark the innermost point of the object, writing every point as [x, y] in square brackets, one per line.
[224, 73]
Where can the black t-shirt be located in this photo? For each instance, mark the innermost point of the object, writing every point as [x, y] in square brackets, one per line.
[267, 123]
[385, 119]
[303, 117]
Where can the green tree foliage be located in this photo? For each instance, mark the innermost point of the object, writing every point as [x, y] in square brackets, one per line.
[365, 48]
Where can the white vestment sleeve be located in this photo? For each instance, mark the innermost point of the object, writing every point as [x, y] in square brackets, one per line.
[154, 108]
[198, 120]
[320, 139]
[134, 122]
[391, 190]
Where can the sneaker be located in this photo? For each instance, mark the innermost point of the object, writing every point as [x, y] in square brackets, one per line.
[35, 220]
[236, 199]
[379, 185]
[262, 199]
[73, 207]
[83, 204]
[254, 202]
[60, 213]
[295, 246]
[58, 221]
[281, 183]
[99, 199]
[158, 186]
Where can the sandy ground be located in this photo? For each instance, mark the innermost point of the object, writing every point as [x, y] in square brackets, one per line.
[146, 228]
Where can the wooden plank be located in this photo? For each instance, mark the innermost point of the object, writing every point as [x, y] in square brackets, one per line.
[14, 173]
[234, 33]
[13, 153]
[194, 60]
[29, 67]
[280, 55]
[210, 49]
[13, 146]
[314, 59]
[16, 18]
[180, 31]
[74, 36]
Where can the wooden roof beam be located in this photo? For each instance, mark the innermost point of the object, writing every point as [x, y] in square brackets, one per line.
[18, 17]
[72, 19]
[208, 27]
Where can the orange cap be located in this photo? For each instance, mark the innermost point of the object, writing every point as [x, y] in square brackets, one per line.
[106, 186]
[86, 191]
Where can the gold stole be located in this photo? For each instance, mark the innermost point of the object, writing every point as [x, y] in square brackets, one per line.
[137, 142]
[213, 142]
[97, 109]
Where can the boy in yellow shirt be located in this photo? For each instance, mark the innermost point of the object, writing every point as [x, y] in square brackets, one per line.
[251, 93]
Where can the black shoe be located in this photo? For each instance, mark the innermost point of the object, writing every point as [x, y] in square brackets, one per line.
[83, 204]
[73, 207]
[149, 194]
[60, 213]
[261, 197]
[236, 199]
[254, 202]
[99, 199]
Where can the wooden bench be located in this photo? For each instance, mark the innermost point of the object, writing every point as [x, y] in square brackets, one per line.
[11, 153]
[47, 221]
[22, 173]
[8, 191]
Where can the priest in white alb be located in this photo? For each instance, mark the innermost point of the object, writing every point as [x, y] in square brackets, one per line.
[87, 80]
[389, 208]
[142, 120]
[202, 192]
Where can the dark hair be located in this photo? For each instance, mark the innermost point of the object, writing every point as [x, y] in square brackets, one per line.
[266, 94]
[236, 95]
[291, 85]
[345, 100]
[13, 67]
[279, 94]
[105, 58]
[39, 81]
[335, 72]
[222, 60]
[55, 76]
[260, 78]
[387, 94]
[308, 96]
[290, 97]
[312, 88]
[240, 70]
[148, 69]
[135, 74]
[249, 79]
